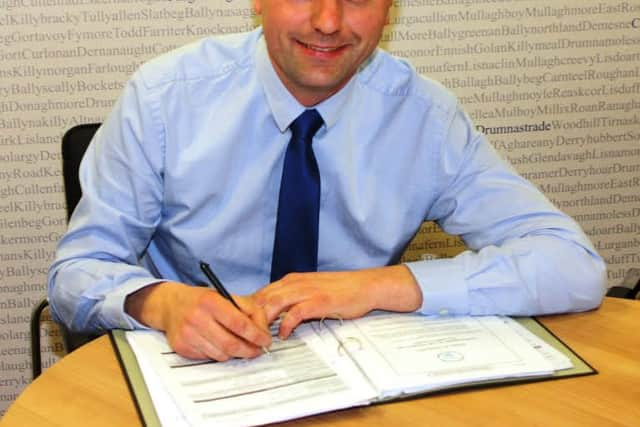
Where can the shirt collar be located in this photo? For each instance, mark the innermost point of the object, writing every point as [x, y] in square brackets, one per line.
[284, 107]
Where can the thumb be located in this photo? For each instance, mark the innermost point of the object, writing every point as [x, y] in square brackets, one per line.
[255, 312]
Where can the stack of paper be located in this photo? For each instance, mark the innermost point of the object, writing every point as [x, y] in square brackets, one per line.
[332, 365]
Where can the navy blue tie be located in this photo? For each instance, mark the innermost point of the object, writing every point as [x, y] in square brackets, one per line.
[295, 247]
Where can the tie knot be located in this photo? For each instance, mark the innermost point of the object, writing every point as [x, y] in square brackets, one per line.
[306, 125]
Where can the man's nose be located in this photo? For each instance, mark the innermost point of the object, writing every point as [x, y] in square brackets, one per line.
[327, 16]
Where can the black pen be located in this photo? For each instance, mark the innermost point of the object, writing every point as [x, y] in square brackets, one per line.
[217, 284]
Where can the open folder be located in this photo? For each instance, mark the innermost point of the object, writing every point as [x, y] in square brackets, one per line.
[330, 364]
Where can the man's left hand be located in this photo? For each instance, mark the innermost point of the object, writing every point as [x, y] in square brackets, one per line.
[345, 295]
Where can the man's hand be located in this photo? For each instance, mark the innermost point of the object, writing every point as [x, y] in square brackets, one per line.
[346, 295]
[199, 323]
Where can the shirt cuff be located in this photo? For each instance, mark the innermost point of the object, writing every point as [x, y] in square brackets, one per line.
[443, 285]
[113, 305]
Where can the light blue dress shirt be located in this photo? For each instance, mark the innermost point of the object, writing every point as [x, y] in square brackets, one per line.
[187, 167]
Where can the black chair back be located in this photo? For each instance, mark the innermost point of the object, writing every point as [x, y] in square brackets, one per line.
[74, 144]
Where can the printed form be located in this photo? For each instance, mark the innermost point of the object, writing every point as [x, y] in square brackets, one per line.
[411, 353]
[331, 365]
[294, 380]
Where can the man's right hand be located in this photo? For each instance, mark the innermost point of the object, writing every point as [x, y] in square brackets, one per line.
[199, 323]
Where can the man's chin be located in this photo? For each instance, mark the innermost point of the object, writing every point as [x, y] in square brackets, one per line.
[325, 80]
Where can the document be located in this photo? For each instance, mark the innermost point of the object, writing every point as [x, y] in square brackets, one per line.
[329, 365]
[407, 354]
[295, 379]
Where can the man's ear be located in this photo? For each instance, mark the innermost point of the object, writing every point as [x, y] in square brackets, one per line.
[257, 6]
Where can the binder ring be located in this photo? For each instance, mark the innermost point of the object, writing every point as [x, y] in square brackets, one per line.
[344, 346]
[335, 316]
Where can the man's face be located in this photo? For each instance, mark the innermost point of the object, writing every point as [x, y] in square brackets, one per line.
[317, 45]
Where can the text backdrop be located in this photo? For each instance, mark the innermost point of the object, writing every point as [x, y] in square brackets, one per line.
[554, 85]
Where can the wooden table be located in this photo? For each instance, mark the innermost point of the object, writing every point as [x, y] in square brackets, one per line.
[87, 387]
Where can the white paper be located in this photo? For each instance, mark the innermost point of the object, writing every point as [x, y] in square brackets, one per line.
[166, 409]
[405, 354]
[558, 360]
[331, 365]
[290, 382]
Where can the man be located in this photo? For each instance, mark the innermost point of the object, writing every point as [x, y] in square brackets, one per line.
[189, 166]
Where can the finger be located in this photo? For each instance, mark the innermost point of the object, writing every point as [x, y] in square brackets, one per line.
[295, 280]
[281, 300]
[218, 339]
[255, 312]
[242, 326]
[259, 317]
[310, 309]
[208, 350]
[189, 343]
[261, 294]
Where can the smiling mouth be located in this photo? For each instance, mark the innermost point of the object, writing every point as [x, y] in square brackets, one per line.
[324, 49]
